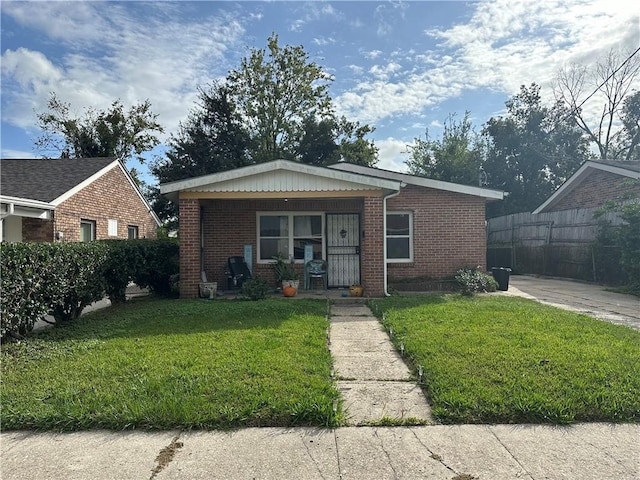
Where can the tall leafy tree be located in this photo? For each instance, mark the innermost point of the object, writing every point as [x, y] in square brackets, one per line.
[276, 89]
[212, 139]
[457, 157]
[114, 132]
[533, 149]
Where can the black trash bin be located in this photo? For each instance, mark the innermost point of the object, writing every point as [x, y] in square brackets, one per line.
[501, 275]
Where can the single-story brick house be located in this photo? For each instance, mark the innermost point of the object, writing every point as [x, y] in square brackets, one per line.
[370, 225]
[71, 199]
[593, 184]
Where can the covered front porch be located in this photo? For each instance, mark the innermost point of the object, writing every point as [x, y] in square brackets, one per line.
[287, 209]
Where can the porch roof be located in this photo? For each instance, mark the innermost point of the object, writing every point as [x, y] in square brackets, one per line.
[279, 178]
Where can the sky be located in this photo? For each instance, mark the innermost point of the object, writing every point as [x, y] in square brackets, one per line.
[401, 67]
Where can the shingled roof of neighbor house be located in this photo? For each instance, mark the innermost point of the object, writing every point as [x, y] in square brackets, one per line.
[47, 179]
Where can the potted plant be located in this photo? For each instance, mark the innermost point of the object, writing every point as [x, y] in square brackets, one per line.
[286, 273]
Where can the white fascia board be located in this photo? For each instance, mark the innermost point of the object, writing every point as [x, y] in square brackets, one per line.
[577, 178]
[134, 185]
[26, 202]
[25, 207]
[198, 182]
[421, 181]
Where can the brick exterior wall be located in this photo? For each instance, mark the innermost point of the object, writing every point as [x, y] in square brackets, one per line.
[594, 190]
[190, 248]
[37, 230]
[448, 232]
[448, 228]
[109, 197]
[231, 224]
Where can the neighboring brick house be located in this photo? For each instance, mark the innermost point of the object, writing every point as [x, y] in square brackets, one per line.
[370, 225]
[593, 184]
[79, 199]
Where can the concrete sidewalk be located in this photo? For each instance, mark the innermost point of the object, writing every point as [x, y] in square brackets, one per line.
[585, 452]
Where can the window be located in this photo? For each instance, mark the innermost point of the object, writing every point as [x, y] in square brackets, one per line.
[87, 230]
[288, 234]
[399, 237]
[132, 232]
[112, 229]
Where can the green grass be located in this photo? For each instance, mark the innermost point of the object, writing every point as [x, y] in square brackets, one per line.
[163, 364]
[501, 359]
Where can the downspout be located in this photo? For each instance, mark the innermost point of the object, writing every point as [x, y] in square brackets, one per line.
[384, 236]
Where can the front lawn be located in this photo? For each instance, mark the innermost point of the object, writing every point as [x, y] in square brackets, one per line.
[174, 364]
[501, 359]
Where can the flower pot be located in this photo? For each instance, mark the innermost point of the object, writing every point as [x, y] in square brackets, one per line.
[293, 283]
[356, 290]
[289, 291]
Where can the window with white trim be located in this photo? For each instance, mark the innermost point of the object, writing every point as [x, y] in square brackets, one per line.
[112, 228]
[87, 230]
[399, 237]
[287, 234]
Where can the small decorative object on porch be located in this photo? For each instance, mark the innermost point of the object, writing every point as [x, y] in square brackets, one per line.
[289, 291]
[286, 273]
[356, 290]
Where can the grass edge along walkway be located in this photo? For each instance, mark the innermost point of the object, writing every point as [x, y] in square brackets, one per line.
[497, 359]
[164, 364]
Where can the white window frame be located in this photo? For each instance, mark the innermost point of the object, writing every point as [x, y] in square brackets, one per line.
[291, 238]
[410, 237]
[112, 228]
[92, 224]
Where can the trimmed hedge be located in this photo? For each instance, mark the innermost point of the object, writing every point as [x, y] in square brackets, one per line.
[63, 278]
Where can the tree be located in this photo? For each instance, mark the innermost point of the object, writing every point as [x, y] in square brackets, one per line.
[99, 133]
[629, 144]
[275, 91]
[276, 106]
[212, 139]
[532, 151]
[609, 81]
[457, 157]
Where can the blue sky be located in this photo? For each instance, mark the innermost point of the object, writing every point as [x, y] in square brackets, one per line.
[402, 67]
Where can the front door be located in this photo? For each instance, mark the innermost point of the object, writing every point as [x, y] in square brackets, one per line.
[343, 249]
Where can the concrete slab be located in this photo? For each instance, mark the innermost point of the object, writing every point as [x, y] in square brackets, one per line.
[372, 401]
[351, 310]
[99, 455]
[471, 449]
[386, 453]
[258, 453]
[585, 451]
[370, 366]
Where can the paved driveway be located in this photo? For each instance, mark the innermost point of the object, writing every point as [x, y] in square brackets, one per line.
[585, 298]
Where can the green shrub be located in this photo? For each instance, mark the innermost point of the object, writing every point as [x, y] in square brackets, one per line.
[255, 289]
[63, 278]
[472, 280]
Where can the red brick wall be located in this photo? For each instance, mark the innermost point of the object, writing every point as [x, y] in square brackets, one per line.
[449, 232]
[37, 230]
[109, 197]
[231, 224]
[190, 248]
[594, 190]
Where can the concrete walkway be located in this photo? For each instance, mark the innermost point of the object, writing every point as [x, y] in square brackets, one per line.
[373, 379]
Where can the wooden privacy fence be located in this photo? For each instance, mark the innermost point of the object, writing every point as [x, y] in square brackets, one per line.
[559, 244]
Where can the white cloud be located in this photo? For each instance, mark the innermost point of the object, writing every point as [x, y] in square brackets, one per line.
[505, 44]
[17, 154]
[384, 72]
[323, 41]
[158, 59]
[392, 154]
[372, 54]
